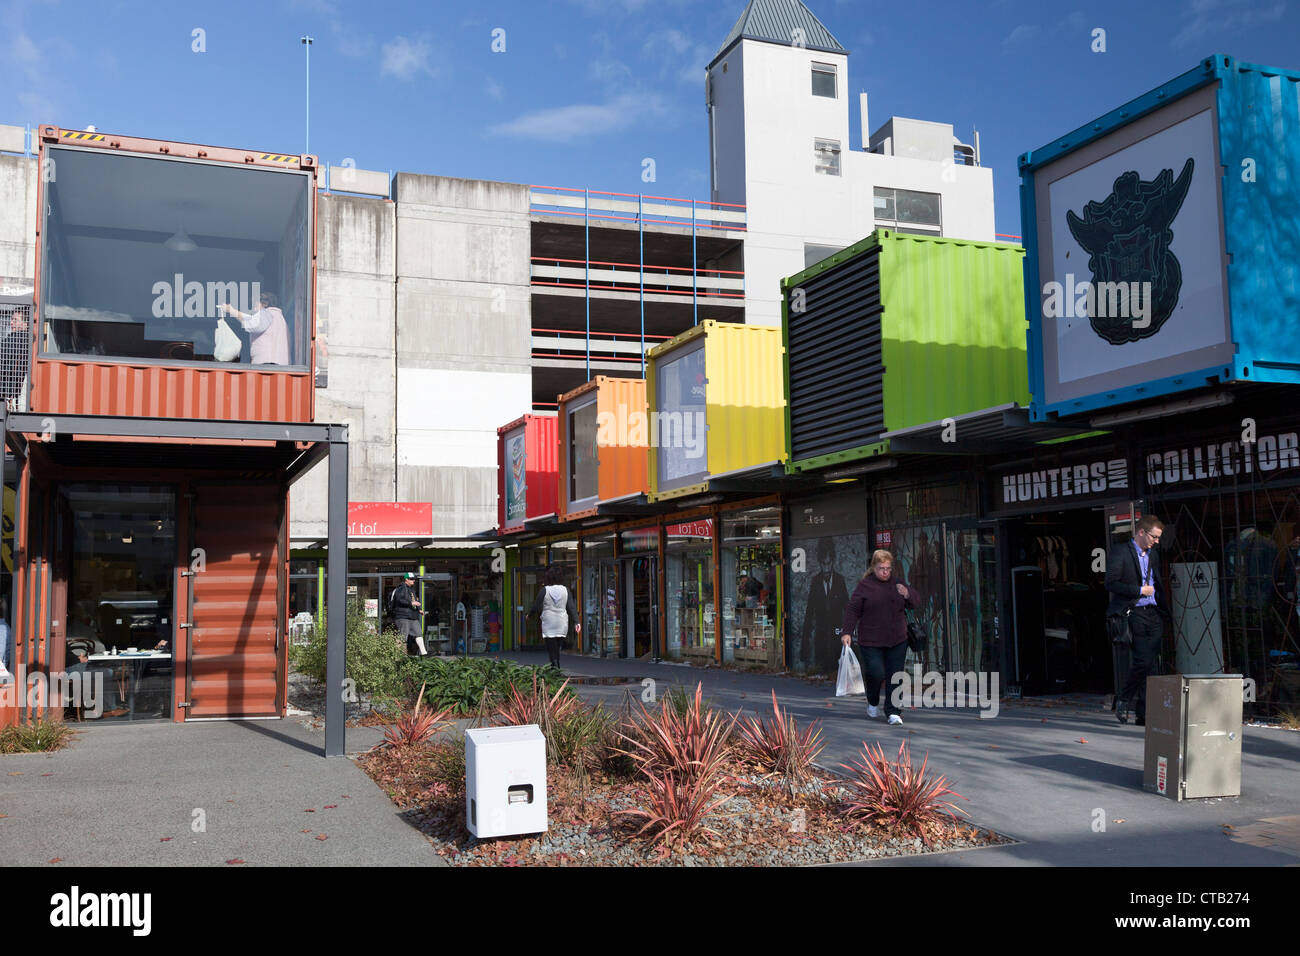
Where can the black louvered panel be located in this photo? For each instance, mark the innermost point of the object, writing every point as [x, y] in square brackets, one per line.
[836, 395]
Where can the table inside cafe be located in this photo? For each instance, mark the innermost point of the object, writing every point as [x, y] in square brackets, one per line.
[137, 682]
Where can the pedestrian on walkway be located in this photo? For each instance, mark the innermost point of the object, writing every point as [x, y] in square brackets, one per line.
[1134, 582]
[554, 605]
[875, 621]
[405, 607]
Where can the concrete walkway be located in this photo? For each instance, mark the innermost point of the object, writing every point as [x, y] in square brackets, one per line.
[126, 795]
[1026, 773]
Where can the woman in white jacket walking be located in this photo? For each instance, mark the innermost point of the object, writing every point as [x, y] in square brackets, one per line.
[554, 605]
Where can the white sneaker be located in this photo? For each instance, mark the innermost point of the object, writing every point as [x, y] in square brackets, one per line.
[895, 719]
[873, 710]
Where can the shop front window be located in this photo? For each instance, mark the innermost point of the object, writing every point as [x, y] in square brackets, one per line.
[752, 579]
[120, 626]
[689, 583]
[178, 262]
[828, 555]
[601, 616]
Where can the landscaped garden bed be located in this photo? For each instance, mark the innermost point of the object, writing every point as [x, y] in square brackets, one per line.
[673, 783]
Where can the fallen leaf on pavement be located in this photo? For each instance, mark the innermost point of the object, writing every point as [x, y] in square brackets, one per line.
[163, 839]
[234, 861]
[57, 859]
[1120, 820]
[331, 806]
[321, 836]
[1083, 740]
[309, 811]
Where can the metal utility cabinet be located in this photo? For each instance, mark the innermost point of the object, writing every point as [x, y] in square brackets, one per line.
[1193, 736]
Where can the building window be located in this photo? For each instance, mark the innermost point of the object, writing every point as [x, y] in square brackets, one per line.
[904, 210]
[140, 258]
[813, 253]
[826, 153]
[823, 79]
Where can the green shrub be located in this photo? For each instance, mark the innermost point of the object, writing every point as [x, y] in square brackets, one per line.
[37, 736]
[460, 683]
[375, 659]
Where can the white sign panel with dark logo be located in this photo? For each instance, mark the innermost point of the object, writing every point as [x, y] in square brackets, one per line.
[1131, 255]
[1194, 594]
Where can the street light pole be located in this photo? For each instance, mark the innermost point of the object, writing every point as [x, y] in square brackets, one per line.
[306, 42]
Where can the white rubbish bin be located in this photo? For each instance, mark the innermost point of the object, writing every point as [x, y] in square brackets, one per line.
[505, 781]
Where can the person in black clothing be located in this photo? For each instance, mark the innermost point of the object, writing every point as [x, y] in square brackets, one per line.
[827, 597]
[406, 615]
[1134, 581]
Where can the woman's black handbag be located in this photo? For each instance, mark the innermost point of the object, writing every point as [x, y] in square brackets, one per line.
[916, 637]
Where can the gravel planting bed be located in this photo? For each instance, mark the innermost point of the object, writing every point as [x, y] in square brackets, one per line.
[760, 825]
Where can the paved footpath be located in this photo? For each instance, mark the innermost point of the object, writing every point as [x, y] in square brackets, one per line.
[132, 796]
[1027, 772]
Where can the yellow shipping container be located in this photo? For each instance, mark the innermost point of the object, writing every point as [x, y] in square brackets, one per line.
[717, 401]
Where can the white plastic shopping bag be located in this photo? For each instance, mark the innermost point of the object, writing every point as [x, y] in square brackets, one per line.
[850, 679]
[228, 344]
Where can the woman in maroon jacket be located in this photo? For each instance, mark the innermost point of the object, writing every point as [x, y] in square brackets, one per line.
[876, 612]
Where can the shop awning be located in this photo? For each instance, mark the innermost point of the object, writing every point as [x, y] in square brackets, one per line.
[996, 430]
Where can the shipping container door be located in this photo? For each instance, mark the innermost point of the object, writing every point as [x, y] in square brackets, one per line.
[234, 640]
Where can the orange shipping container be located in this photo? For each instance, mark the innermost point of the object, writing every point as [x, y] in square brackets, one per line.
[604, 437]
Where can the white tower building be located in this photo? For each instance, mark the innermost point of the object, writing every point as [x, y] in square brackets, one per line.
[778, 101]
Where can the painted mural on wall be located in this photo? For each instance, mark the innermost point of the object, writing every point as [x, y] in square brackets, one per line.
[828, 551]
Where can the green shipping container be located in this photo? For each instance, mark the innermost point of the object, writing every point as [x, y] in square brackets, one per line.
[894, 331]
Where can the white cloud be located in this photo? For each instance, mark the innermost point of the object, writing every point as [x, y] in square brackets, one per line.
[406, 58]
[562, 124]
[495, 90]
[1021, 34]
[1211, 19]
[677, 55]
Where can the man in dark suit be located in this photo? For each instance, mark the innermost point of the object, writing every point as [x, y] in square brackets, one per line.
[1134, 580]
[824, 612]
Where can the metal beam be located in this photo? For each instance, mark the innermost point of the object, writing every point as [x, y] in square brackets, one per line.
[308, 460]
[33, 422]
[336, 600]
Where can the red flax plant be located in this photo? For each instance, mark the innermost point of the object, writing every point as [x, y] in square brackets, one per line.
[682, 757]
[416, 726]
[554, 714]
[780, 748]
[896, 794]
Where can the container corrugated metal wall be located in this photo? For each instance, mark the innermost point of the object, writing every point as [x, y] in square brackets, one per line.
[235, 635]
[621, 468]
[1259, 117]
[156, 391]
[953, 328]
[744, 398]
[899, 330]
[541, 463]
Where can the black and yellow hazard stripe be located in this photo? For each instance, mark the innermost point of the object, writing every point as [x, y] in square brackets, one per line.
[276, 158]
[87, 137]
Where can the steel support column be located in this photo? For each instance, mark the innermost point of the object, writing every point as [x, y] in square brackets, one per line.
[336, 605]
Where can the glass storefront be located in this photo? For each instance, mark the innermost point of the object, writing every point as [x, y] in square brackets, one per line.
[602, 628]
[690, 612]
[828, 555]
[751, 587]
[120, 595]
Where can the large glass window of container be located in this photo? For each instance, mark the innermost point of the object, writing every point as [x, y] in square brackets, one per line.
[145, 258]
[680, 394]
[688, 572]
[582, 488]
[120, 625]
[750, 550]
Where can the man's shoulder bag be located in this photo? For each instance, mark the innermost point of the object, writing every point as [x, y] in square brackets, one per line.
[1117, 628]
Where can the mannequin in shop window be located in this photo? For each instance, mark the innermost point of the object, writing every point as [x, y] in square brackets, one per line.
[823, 613]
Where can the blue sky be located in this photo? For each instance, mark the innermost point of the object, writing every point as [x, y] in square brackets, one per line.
[587, 89]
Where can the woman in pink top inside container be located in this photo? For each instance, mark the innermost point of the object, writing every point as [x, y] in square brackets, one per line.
[268, 332]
